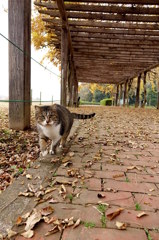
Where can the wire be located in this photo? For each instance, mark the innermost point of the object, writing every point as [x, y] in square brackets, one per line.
[30, 56]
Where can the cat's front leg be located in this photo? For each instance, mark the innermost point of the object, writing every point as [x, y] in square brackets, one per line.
[53, 146]
[43, 146]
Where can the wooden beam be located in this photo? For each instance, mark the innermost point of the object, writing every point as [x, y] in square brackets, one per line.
[64, 62]
[102, 8]
[149, 2]
[19, 63]
[110, 17]
[104, 24]
[137, 100]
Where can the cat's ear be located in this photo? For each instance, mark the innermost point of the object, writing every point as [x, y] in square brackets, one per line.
[37, 108]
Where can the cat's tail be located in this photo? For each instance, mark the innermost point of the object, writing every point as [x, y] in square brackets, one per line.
[82, 116]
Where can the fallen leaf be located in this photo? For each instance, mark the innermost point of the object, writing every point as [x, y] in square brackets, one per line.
[100, 195]
[142, 214]
[114, 214]
[121, 226]
[67, 164]
[50, 190]
[49, 220]
[77, 223]
[11, 233]
[71, 154]
[26, 194]
[28, 176]
[19, 220]
[52, 231]
[47, 211]
[33, 219]
[28, 234]
[118, 175]
[53, 200]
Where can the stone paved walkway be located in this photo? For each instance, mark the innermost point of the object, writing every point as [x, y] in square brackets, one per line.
[111, 167]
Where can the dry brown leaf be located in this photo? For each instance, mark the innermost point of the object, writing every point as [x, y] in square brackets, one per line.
[11, 233]
[47, 211]
[77, 223]
[142, 214]
[50, 190]
[19, 220]
[26, 194]
[52, 231]
[100, 195]
[49, 220]
[32, 220]
[28, 176]
[67, 164]
[71, 154]
[118, 175]
[114, 214]
[28, 234]
[53, 200]
[121, 226]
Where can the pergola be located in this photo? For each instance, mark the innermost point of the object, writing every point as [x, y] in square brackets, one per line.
[98, 41]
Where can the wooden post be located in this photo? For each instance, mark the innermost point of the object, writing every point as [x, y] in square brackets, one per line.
[129, 87]
[125, 93]
[117, 95]
[144, 83]
[158, 93]
[138, 91]
[121, 93]
[64, 62]
[19, 63]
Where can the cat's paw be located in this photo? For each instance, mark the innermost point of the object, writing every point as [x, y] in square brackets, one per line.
[60, 146]
[44, 153]
[51, 152]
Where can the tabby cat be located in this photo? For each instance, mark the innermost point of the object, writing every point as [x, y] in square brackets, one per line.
[54, 122]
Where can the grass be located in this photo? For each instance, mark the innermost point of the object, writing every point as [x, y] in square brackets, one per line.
[148, 234]
[70, 197]
[127, 179]
[137, 207]
[102, 208]
[89, 224]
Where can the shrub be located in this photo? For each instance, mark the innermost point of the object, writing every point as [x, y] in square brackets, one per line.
[106, 102]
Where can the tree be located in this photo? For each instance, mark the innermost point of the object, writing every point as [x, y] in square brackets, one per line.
[85, 93]
[42, 38]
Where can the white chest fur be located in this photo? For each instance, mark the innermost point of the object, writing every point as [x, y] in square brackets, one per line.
[51, 131]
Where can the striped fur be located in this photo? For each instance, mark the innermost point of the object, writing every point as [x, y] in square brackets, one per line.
[55, 123]
[82, 116]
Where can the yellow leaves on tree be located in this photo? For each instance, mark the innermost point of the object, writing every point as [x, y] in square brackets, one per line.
[43, 39]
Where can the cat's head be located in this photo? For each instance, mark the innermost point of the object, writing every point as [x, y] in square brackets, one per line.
[46, 115]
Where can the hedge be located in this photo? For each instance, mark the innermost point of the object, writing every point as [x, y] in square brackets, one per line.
[106, 102]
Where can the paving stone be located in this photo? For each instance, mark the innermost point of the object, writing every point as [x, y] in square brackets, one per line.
[142, 178]
[147, 202]
[123, 199]
[130, 187]
[154, 235]
[118, 175]
[130, 218]
[39, 233]
[82, 233]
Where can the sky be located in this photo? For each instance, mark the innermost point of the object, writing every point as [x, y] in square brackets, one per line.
[41, 80]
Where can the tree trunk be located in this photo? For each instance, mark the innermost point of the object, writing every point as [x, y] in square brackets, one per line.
[117, 95]
[125, 93]
[64, 62]
[138, 91]
[144, 83]
[19, 63]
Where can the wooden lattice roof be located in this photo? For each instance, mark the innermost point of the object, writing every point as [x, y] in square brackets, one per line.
[111, 41]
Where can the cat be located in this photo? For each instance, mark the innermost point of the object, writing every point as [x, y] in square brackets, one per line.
[54, 122]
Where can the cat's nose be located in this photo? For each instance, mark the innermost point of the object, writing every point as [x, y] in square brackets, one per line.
[47, 120]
